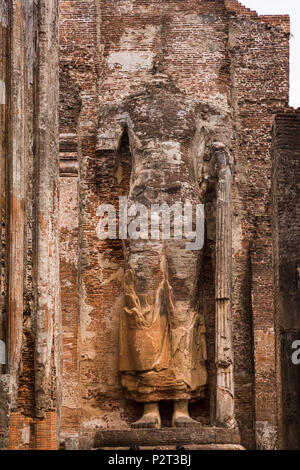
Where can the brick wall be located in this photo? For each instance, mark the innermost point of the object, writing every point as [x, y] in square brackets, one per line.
[286, 235]
[26, 433]
[282, 21]
[29, 316]
[255, 50]
[217, 52]
[220, 53]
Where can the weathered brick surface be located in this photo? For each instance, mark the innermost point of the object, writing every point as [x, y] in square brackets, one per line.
[26, 433]
[255, 49]
[29, 318]
[282, 21]
[286, 236]
[5, 391]
[217, 52]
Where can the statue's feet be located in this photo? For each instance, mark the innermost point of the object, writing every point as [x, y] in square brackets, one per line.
[183, 421]
[149, 420]
[181, 417]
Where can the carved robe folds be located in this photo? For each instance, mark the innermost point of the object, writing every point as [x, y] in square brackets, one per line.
[162, 336]
[162, 333]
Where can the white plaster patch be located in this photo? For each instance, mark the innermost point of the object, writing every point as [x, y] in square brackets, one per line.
[2, 352]
[66, 283]
[2, 92]
[70, 398]
[134, 259]
[3, 13]
[126, 6]
[87, 333]
[265, 435]
[237, 235]
[194, 19]
[26, 435]
[143, 37]
[131, 61]
[68, 204]
[68, 251]
[220, 100]
[68, 219]
[107, 421]
[172, 150]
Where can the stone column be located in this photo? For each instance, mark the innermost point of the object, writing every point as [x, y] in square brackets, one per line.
[47, 307]
[3, 215]
[224, 352]
[16, 157]
[69, 277]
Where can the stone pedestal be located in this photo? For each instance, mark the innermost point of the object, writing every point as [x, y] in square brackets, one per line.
[166, 438]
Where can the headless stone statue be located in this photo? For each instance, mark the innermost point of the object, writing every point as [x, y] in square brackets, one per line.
[162, 333]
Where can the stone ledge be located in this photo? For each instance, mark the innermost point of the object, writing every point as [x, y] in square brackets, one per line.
[196, 435]
[186, 447]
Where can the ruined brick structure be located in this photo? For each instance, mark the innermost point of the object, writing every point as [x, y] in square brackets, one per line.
[62, 289]
[286, 242]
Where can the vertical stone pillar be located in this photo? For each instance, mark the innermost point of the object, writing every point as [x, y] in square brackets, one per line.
[47, 307]
[69, 274]
[3, 293]
[29, 114]
[16, 157]
[224, 352]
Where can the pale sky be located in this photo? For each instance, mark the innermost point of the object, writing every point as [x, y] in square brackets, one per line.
[292, 8]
